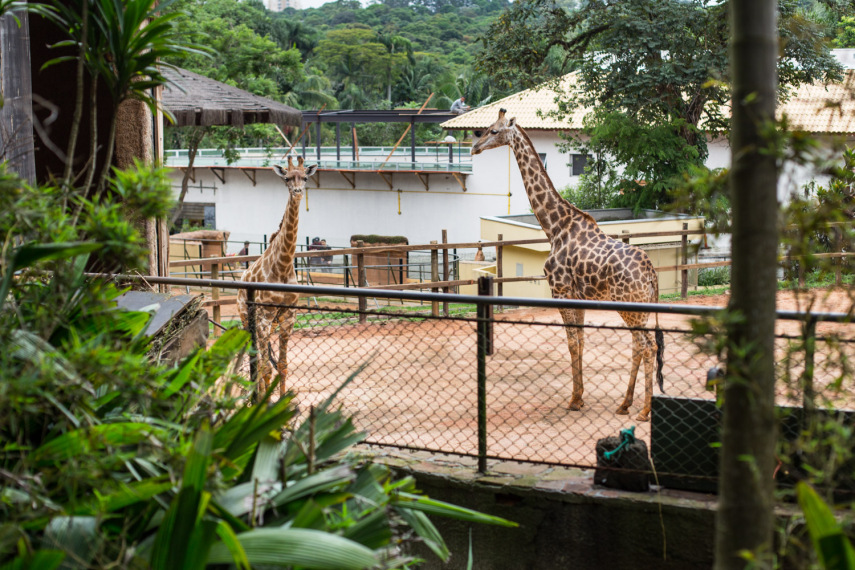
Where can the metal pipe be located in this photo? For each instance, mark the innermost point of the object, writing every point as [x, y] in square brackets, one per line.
[314, 291]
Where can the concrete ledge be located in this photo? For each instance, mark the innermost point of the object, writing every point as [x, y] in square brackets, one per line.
[566, 522]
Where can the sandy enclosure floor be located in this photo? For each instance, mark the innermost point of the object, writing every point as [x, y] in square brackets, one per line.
[419, 385]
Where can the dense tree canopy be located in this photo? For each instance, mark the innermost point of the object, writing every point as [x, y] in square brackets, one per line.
[389, 54]
[651, 70]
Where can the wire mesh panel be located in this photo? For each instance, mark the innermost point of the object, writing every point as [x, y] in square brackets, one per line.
[417, 382]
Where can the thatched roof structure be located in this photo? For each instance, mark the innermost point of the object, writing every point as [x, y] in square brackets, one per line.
[197, 100]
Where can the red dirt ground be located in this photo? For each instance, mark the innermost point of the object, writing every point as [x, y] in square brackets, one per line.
[419, 384]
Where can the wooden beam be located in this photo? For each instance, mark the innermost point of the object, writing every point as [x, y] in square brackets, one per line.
[388, 181]
[425, 178]
[351, 181]
[221, 175]
[406, 131]
[461, 179]
[247, 172]
[192, 175]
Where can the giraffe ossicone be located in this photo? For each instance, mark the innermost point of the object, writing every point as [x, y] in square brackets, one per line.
[276, 311]
[584, 263]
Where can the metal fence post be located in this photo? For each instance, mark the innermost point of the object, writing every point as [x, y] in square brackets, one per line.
[251, 312]
[215, 296]
[500, 272]
[361, 280]
[434, 277]
[684, 286]
[808, 393]
[485, 288]
[445, 270]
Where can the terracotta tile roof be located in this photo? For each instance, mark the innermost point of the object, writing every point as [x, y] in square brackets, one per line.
[819, 108]
[815, 108]
[524, 106]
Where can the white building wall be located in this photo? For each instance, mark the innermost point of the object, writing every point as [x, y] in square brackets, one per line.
[334, 211]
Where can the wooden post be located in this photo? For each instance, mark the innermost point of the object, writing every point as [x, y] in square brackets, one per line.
[684, 285]
[434, 277]
[626, 238]
[361, 280]
[446, 274]
[500, 289]
[215, 295]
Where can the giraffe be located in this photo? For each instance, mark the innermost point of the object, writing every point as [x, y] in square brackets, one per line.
[584, 263]
[276, 265]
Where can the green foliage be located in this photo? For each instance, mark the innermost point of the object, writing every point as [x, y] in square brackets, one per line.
[111, 459]
[846, 34]
[655, 72]
[713, 276]
[832, 546]
[820, 221]
[653, 158]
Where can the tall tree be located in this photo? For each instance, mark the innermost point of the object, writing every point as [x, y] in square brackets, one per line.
[746, 488]
[656, 68]
[399, 52]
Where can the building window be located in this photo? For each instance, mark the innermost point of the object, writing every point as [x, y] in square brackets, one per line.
[520, 270]
[579, 163]
[542, 156]
[197, 215]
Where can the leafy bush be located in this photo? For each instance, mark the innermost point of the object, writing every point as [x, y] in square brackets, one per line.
[712, 276]
[112, 460]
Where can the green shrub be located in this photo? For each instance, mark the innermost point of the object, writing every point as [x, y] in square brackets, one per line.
[713, 276]
[111, 460]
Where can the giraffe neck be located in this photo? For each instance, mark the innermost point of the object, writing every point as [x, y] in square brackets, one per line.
[279, 256]
[555, 214]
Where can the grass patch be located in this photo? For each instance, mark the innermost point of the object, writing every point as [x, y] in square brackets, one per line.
[705, 292]
[816, 279]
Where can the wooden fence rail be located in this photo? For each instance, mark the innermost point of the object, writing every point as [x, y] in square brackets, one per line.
[216, 265]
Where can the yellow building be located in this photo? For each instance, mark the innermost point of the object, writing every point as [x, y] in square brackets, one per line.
[527, 260]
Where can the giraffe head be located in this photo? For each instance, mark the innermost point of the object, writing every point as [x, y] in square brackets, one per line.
[295, 177]
[498, 134]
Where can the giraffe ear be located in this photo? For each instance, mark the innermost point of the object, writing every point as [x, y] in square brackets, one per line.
[512, 121]
[277, 168]
[310, 170]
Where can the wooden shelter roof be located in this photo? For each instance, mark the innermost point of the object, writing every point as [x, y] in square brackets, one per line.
[197, 100]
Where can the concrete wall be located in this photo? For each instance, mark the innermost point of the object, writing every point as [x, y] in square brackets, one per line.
[591, 529]
[528, 260]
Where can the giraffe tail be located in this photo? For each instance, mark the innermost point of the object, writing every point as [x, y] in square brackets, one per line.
[660, 355]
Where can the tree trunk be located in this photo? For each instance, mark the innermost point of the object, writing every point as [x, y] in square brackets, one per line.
[196, 134]
[745, 515]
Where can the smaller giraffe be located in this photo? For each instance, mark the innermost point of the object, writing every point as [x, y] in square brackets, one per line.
[276, 265]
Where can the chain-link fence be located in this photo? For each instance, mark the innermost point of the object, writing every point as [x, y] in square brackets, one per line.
[418, 387]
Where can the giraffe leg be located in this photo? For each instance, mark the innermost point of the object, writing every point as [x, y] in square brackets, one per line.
[633, 374]
[286, 326]
[649, 353]
[265, 330]
[575, 344]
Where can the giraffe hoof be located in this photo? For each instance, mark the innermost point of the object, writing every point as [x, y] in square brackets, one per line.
[642, 417]
[576, 405]
[622, 411]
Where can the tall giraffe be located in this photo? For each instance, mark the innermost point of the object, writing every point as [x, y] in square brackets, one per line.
[276, 265]
[584, 263]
